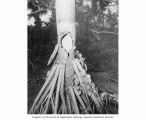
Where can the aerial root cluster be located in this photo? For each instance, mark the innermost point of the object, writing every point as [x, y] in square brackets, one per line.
[81, 97]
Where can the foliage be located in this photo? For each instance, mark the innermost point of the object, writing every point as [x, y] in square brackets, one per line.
[97, 11]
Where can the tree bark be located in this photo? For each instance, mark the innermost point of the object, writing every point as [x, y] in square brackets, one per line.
[65, 20]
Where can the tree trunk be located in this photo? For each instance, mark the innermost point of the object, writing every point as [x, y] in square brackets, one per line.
[65, 20]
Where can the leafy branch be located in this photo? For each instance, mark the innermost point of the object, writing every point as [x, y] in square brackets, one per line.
[106, 32]
[43, 10]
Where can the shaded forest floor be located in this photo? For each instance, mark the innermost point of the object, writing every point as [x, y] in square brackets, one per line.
[101, 57]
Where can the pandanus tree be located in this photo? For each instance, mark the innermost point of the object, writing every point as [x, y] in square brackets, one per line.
[68, 88]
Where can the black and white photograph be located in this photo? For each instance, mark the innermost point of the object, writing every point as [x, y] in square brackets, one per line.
[72, 59]
[72, 56]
